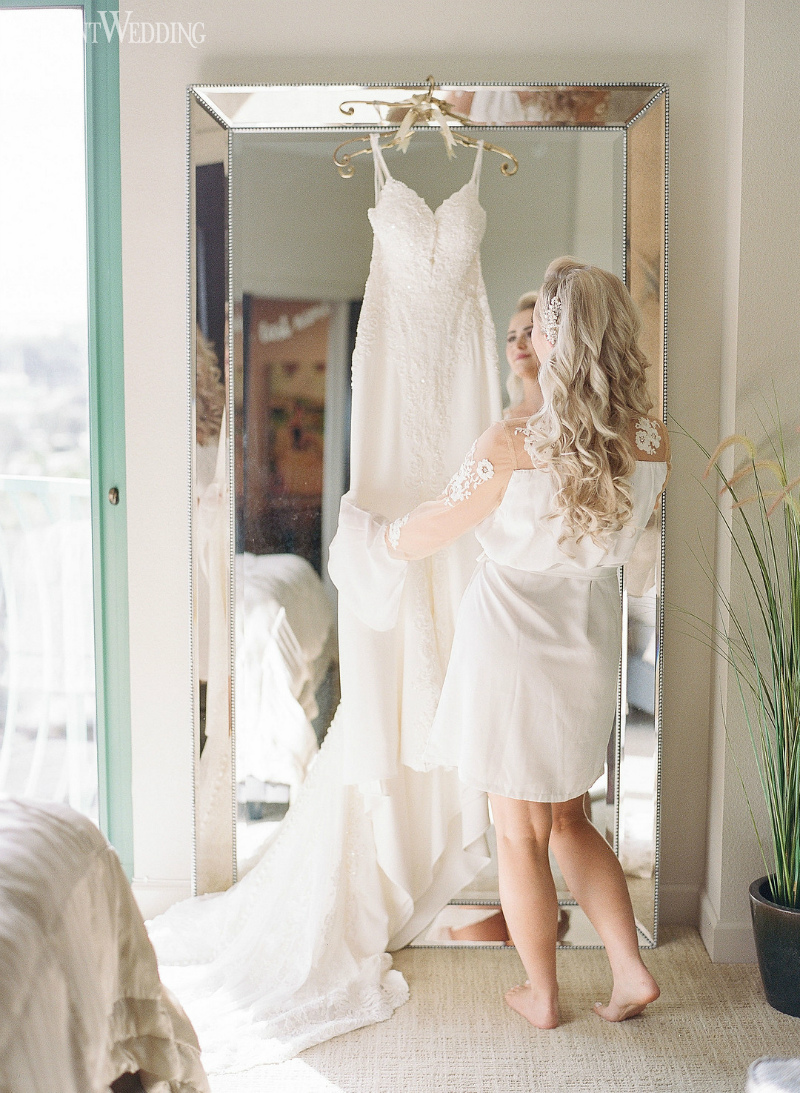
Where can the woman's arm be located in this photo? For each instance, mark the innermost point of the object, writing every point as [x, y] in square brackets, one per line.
[472, 493]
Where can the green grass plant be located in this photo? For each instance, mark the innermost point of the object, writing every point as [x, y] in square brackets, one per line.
[760, 638]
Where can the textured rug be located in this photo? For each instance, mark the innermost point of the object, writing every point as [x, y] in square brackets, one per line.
[456, 1035]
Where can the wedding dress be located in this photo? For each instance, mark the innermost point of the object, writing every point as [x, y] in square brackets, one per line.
[426, 345]
[371, 850]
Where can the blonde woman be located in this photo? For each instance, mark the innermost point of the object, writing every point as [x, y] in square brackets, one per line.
[558, 494]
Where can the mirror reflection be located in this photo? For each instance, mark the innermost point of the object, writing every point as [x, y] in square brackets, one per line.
[291, 432]
[210, 545]
[272, 397]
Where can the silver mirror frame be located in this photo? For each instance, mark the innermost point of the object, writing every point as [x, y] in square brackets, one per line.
[202, 96]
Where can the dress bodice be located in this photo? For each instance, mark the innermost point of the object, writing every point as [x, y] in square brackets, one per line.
[428, 251]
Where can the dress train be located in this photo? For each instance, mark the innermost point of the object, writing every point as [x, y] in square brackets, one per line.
[295, 953]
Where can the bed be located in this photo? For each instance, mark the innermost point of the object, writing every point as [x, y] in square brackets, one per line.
[81, 1002]
[285, 649]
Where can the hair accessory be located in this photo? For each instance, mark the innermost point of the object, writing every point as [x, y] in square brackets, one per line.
[551, 317]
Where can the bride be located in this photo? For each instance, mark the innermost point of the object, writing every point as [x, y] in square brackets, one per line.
[559, 497]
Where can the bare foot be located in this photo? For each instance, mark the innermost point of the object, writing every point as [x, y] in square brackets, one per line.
[492, 928]
[630, 997]
[541, 1011]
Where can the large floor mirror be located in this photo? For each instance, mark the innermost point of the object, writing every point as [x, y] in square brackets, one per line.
[279, 253]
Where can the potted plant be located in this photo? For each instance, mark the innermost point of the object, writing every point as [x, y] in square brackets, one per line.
[760, 638]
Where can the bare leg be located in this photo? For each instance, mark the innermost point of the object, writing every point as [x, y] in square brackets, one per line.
[597, 882]
[530, 906]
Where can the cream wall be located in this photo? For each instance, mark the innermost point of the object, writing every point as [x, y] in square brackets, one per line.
[678, 41]
[761, 365]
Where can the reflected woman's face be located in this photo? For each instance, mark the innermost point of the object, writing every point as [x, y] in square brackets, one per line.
[522, 359]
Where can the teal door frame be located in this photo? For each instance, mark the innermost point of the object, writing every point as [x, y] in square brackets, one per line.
[106, 423]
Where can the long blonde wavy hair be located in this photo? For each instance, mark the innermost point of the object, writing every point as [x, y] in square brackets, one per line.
[593, 385]
[516, 392]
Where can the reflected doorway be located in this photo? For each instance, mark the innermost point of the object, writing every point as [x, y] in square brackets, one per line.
[48, 731]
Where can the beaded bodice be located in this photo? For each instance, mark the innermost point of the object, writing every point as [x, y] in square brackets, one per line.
[429, 252]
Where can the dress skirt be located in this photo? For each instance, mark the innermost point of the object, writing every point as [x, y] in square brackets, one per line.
[529, 699]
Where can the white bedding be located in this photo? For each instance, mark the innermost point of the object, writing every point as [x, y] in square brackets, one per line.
[80, 997]
[285, 641]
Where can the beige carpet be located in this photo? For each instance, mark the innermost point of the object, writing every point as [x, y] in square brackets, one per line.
[456, 1035]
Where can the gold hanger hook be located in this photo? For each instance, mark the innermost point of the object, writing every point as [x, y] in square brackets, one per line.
[344, 163]
[420, 109]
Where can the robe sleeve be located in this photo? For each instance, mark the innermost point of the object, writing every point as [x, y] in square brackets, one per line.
[370, 581]
[473, 492]
[368, 556]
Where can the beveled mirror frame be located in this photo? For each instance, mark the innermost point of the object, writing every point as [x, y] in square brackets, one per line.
[645, 205]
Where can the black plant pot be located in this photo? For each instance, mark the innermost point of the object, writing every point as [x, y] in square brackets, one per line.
[776, 931]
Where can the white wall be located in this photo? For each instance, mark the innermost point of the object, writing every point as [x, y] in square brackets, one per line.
[678, 41]
[761, 366]
[597, 234]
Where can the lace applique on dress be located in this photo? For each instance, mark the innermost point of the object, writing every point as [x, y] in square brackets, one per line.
[648, 438]
[394, 529]
[469, 476]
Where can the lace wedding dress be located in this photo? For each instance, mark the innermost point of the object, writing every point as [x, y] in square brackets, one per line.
[371, 850]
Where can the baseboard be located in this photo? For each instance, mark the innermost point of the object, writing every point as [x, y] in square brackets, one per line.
[678, 904]
[156, 895]
[726, 942]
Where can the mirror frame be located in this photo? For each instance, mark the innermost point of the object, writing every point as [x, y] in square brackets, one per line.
[202, 96]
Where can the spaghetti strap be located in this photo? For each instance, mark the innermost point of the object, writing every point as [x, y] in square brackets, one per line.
[476, 170]
[381, 170]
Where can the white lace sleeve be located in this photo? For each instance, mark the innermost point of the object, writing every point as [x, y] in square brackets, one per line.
[474, 490]
[470, 475]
